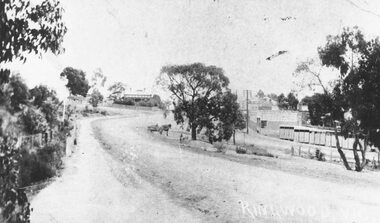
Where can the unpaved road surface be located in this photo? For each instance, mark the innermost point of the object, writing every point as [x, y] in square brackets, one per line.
[136, 176]
[92, 189]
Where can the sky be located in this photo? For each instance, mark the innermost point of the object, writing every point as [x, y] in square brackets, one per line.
[130, 40]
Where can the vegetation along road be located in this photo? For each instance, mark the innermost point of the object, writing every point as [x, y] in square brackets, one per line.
[123, 173]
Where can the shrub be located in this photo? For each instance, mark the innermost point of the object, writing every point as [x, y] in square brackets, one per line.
[95, 98]
[34, 121]
[241, 150]
[39, 165]
[14, 203]
[125, 101]
[145, 104]
[104, 113]
[251, 149]
[220, 147]
[319, 155]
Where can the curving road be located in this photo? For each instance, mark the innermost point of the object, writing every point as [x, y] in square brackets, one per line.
[135, 176]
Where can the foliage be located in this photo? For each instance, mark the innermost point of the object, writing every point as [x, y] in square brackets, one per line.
[354, 101]
[40, 165]
[19, 93]
[41, 94]
[260, 94]
[98, 79]
[33, 121]
[308, 74]
[25, 28]
[221, 147]
[231, 118]
[241, 150]
[14, 204]
[290, 102]
[29, 28]
[117, 89]
[95, 98]
[125, 101]
[273, 96]
[76, 81]
[282, 102]
[47, 101]
[319, 155]
[194, 86]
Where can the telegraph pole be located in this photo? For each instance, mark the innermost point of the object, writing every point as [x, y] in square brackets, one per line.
[247, 118]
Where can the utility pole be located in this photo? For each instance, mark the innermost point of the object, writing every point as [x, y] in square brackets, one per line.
[247, 118]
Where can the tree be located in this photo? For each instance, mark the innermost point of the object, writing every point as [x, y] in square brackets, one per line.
[95, 98]
[39, 94]
[356, 92]
[282, 102]
[29, 28]
[292, 101]
[46, 100]
[76, 81]
[289, 102]
[319, 105]
[308, 74]
[260, 94]
[193, 87]
[25, 28]
[273, 96]
[34, 121]
[231, 118]
[19, 93]
[117, 89]
[98, 79]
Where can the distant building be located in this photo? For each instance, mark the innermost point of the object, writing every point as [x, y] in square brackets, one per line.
[268, 122]
[137, 95]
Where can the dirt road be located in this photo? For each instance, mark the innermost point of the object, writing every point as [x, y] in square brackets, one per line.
[93, 189]
[136, 177]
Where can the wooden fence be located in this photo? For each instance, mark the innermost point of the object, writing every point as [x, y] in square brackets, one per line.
[314, 136]
[34, 140]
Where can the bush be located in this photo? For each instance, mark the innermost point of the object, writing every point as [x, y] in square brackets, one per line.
[251, 149]
[34, 121]
[39, 165]
[95, 98]
[319, 155]
[145, 104]
[221, 147]
[103, 113]
[124, 102]
[241, 150]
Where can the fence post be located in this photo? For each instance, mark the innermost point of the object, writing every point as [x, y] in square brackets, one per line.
[292, 151]
[299, 151]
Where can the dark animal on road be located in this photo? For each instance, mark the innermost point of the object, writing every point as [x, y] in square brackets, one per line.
[165, 128]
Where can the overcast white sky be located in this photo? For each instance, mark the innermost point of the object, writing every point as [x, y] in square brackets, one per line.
[130, 40]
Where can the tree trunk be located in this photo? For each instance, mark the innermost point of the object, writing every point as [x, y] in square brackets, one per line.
[193, 132]
[363, 152]
[341, 153]
[233, 137]
[356, 155]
